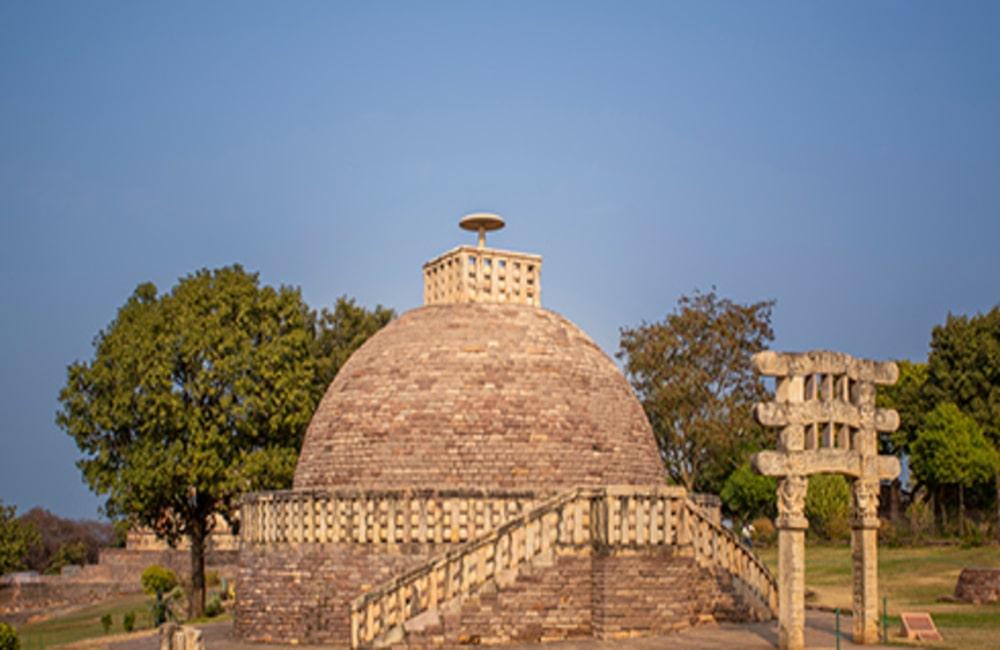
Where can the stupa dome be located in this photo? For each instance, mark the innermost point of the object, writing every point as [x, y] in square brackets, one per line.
[479, 388]
[490, 396]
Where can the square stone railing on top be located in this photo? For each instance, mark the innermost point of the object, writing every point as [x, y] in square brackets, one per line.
[485, 275]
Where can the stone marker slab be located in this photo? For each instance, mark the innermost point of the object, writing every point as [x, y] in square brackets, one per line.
[919, 626]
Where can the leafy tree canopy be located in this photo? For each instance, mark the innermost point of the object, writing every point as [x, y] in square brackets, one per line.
[749, 495]
[338, 333]
[951, 449]
[909, 396]
[964, 368]
[693, 374]
[16, 540]
[193, 397]
[828, 505]
[61, 540]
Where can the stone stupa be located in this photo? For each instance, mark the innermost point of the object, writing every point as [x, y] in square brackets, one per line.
[481, 472]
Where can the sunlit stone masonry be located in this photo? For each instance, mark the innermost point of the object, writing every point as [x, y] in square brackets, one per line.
[824, 410]
[481, 472]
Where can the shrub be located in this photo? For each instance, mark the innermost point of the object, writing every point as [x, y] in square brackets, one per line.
[828, 504]
[129, 621]
[213, 607]
[894, 533]
[975, 536]
[921, 517]
[8, 638]
[764, 533]
[158, 580]
[749, 495]
[106, 623]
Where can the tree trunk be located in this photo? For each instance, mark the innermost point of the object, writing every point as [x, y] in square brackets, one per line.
[196, 599]
[961, 509]
[894, 500]
[998, 503]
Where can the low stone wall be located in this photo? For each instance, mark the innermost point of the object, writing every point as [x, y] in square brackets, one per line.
[124, 566]
[978, 586]
[22, 600]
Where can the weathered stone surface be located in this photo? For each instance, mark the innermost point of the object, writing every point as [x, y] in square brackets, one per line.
[479, 396]
[825, 411]
[301, 593]
[455, 487]
[776, 364]
[978, 586]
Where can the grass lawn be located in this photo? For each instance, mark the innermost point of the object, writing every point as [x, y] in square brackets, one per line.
[912, 579]
[85, 623]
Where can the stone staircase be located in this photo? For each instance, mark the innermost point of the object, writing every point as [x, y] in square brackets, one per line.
[630, 519]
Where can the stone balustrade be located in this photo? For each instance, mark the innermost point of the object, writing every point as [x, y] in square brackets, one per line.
[376, 517]
[611, 517]
[717, 546]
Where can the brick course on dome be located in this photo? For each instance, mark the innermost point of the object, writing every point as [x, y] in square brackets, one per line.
[485, 396]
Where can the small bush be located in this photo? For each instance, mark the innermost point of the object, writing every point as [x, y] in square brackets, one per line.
[8, 638]
[213, 607]
[764, 534]
[158, 580]
[975, 536]
[129, 621]
[106, 623]
[894, 533]
[921, 517]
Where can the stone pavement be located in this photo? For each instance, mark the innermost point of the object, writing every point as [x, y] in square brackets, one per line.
[724, 636]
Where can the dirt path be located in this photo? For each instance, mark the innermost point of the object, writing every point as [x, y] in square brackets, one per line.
[726, 636]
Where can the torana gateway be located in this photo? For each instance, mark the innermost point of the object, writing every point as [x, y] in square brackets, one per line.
[481, 472]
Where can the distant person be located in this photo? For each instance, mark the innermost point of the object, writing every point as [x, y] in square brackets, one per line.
[746, 535]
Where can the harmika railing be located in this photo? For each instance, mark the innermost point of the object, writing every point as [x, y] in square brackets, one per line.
[612, 517]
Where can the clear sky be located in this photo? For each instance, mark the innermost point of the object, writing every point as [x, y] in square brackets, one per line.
[841, 158]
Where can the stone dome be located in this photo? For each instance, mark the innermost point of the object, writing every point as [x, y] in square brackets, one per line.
[486, 396]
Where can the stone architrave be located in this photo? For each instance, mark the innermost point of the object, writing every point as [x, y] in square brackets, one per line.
[825, 412]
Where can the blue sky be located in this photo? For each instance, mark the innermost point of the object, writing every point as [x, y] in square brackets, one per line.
[841, 158]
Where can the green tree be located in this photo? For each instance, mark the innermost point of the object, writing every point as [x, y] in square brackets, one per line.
[71, 553]
[16, 540]
[909, 397]
[192, 398]
[8, 637]
[748, 495]
[338, 333]
[950, 449]
[828, 505]
[693, 374]
[964, 368]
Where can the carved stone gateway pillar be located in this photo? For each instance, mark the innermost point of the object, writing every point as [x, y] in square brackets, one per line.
[825, 409]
